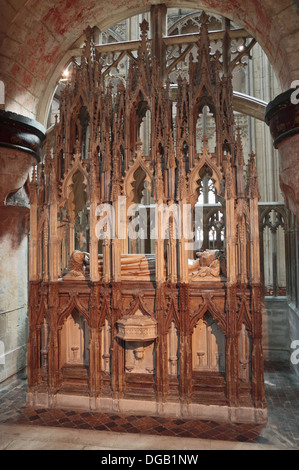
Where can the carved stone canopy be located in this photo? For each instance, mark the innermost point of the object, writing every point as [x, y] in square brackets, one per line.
[137, 327]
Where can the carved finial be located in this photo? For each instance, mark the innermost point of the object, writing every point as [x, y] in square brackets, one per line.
[34, 174]
[77, 148]
[144, 27]
[88, 33]
[204, 18]
[239, 149]
[239, 162]
[33, 187]
[217, 57]
[158, 179]
[252, 178]
[203, 65]
[205, 140]
[229, 180]
[171, 152]
[205, 148]
[41, 180]
[182, 180]
[139, 145]
[88, 46]
[252, 156]
[48, 156]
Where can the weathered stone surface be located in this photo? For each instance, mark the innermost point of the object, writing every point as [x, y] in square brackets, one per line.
[276, 330]
[14, 171]
[289, 172]
[50, 28]
[13, 289]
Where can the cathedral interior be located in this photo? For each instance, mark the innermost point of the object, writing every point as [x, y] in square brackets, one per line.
[149, 205]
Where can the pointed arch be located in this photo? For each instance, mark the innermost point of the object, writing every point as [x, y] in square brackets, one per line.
[129, 177]
[208, 345]
[67, 181]
[244, 316]
[74, 337]
[202, 98]
[205, 159]
[172, 316]
[139, 104]
[208, 307]
[74, 304]
[80, 100]
[105, 313]
[138, 304]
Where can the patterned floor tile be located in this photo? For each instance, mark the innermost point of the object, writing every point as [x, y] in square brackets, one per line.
[282, 389]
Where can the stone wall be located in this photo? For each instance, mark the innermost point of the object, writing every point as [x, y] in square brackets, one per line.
[13, 292]
[276, 329]
[20, 148]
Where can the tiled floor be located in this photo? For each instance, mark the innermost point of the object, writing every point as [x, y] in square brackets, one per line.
[282, 391]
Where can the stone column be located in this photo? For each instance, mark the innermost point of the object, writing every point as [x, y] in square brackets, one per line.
[282, 116]
[20, 148]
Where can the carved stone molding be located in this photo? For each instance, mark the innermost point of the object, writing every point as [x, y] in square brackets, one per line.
[21, 133]
[20, 148]
[137, 327]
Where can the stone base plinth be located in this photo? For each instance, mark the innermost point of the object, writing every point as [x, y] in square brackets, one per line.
[215, 413]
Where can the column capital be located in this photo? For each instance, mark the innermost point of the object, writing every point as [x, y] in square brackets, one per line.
[21, 133]
[20, 147]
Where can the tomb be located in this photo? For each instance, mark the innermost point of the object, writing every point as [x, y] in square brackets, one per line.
[163, 325]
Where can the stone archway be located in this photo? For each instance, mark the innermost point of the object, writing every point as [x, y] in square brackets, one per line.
[51, 30]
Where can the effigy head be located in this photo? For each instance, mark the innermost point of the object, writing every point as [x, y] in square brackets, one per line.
[75, 267]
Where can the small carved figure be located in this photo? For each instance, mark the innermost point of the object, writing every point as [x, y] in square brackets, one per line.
[76, 266]
[207, 266]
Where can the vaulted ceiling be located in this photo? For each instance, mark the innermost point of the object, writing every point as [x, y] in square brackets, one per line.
[36, 35]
